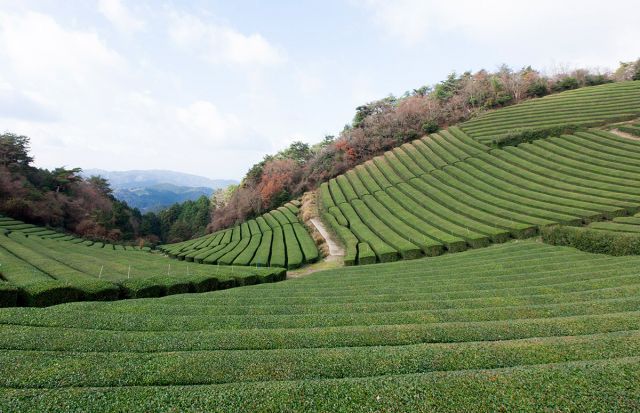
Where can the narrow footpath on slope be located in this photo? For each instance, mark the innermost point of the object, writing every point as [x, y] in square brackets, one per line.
[333, 260]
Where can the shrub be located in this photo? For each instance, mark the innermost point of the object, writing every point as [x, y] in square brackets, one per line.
[538, 88]
[518, 136]
[365, 254]
[143, 288]
[430, 126]
[8, 295]
[585, 239]
[47, 292]
[568, 83]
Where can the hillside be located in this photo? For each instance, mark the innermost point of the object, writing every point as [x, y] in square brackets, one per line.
[584, 107]
[497, 326]
[449, 192]
[470, 314]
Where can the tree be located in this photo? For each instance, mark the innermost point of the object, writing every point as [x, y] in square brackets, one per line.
[14, 151]
[297, 151]
[101, 184]
[64, 177]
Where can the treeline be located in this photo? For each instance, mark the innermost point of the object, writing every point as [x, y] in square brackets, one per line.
[61, 198]
[64, 200]
[384, 124]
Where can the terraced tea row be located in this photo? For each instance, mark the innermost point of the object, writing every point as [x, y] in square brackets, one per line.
[504, 323]
[12, 225]
[627, 225]
[37, 271]
[276, 239]
[582, 107]
[412, 202]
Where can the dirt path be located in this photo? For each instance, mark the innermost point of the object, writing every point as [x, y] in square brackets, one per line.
[333, 260]
[625, 134]
[334, 247]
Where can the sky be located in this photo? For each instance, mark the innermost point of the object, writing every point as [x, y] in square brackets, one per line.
[210, 87]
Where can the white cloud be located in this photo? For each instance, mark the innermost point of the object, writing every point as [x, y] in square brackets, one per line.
[39, 49]
[308, 82]
[218, 43]
[83, 104]
[581, 31]
[204, 122]
[120, 16]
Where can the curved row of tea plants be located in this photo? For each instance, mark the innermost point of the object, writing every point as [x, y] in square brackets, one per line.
[488, 329]
[275, 239]
[37, 271]
[447, 192]
[585, 107]
[12, 225]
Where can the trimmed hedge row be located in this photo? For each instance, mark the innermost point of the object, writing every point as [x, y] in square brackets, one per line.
[539, 118]
[163, 285]
[519, 326]
[8, 295]
[384, 251]
[251, 242]
[365, 254]
[489, 196]
[518, 136]
[71, 271]
[590, 240]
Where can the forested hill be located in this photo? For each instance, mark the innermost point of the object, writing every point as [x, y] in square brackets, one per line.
[61, 198]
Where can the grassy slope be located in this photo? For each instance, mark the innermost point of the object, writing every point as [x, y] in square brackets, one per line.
[450, 192]
[520, 325]
[585, 106]
[445, 192]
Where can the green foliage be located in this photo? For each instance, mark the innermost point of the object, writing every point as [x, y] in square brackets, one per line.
[567, 83]
[446, 89]
[583, 108]
[182, 221]
[539, 88]
[516, 137]
[72, 271]
[14, 151]
[365, 254]
[590, 240]
[8, 294]
[483, 330]
[430, 126]
[298, 151]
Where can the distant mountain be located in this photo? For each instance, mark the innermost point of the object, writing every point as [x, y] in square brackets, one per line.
[156, 197]
[154, 190]
[146, 178]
